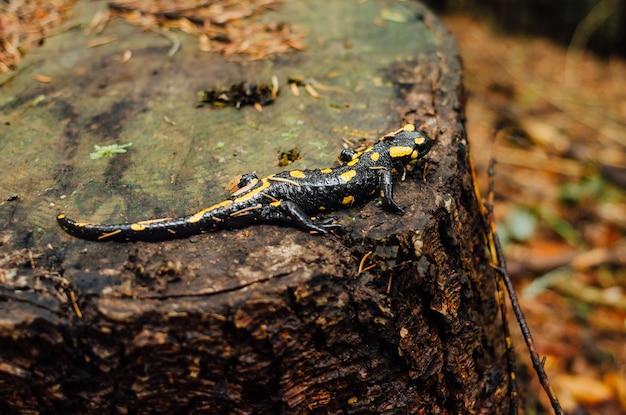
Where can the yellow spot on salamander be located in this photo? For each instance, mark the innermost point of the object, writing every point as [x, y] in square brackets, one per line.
[375, 156]
[409, 128]
[60, 216]
[196, 217]
[137, 227]
[276, 203]
[297, 174]
[414, 154]
[420, 140]
[348, 200]
[347, 176]
[322, 208]
[326, 170]
[353, 162]
[400, 151]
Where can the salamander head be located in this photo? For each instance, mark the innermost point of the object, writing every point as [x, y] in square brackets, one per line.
[406, 145]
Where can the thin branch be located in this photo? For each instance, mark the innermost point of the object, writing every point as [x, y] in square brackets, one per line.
[519, 314]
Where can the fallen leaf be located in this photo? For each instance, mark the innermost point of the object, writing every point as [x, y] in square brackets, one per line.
[585, 390]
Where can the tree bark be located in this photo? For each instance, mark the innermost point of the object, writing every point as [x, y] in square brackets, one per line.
[390, 314]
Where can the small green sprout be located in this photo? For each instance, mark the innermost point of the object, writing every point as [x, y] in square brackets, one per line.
[108, 151]
[38, 100]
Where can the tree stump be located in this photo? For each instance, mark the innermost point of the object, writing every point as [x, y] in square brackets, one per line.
[390, 314]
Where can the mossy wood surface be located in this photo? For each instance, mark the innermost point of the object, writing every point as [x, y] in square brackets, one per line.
[259, 320]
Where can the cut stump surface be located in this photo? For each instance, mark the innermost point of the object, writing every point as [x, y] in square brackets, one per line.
[389, 314]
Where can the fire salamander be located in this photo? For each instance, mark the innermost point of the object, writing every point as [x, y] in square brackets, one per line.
[289, 197]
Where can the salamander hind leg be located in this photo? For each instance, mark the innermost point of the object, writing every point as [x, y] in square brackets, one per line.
[290, 212]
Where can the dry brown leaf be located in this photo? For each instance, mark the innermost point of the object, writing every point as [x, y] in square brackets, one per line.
[618, 383]
[101, 41]
[584, 390]
[42, 78]
[221, 25]
[24, 23]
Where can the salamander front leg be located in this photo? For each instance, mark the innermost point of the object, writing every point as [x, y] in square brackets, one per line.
[386, 193]
[295, 214]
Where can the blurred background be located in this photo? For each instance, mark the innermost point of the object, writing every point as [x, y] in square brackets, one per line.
[546, 97]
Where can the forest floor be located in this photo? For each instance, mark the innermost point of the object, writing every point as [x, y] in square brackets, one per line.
[555, 120]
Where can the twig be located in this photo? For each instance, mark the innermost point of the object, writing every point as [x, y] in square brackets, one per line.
[519, 314]
[594, 19]
[510, 352]
[362, 267]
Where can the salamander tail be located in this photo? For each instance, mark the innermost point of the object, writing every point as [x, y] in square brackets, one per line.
[153, 230]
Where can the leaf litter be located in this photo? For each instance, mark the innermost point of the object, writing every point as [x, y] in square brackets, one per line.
[555, 120]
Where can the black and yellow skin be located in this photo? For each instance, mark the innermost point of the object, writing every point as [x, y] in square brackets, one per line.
[288, 198]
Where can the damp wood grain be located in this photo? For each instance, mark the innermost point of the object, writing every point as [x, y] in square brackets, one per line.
[390, 314]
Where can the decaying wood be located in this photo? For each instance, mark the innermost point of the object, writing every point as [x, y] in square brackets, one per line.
[390, 314]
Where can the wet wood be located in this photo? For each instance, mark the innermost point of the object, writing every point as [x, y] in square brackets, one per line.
[390, 314]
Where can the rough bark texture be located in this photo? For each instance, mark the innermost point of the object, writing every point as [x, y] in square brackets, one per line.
[274, 320]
